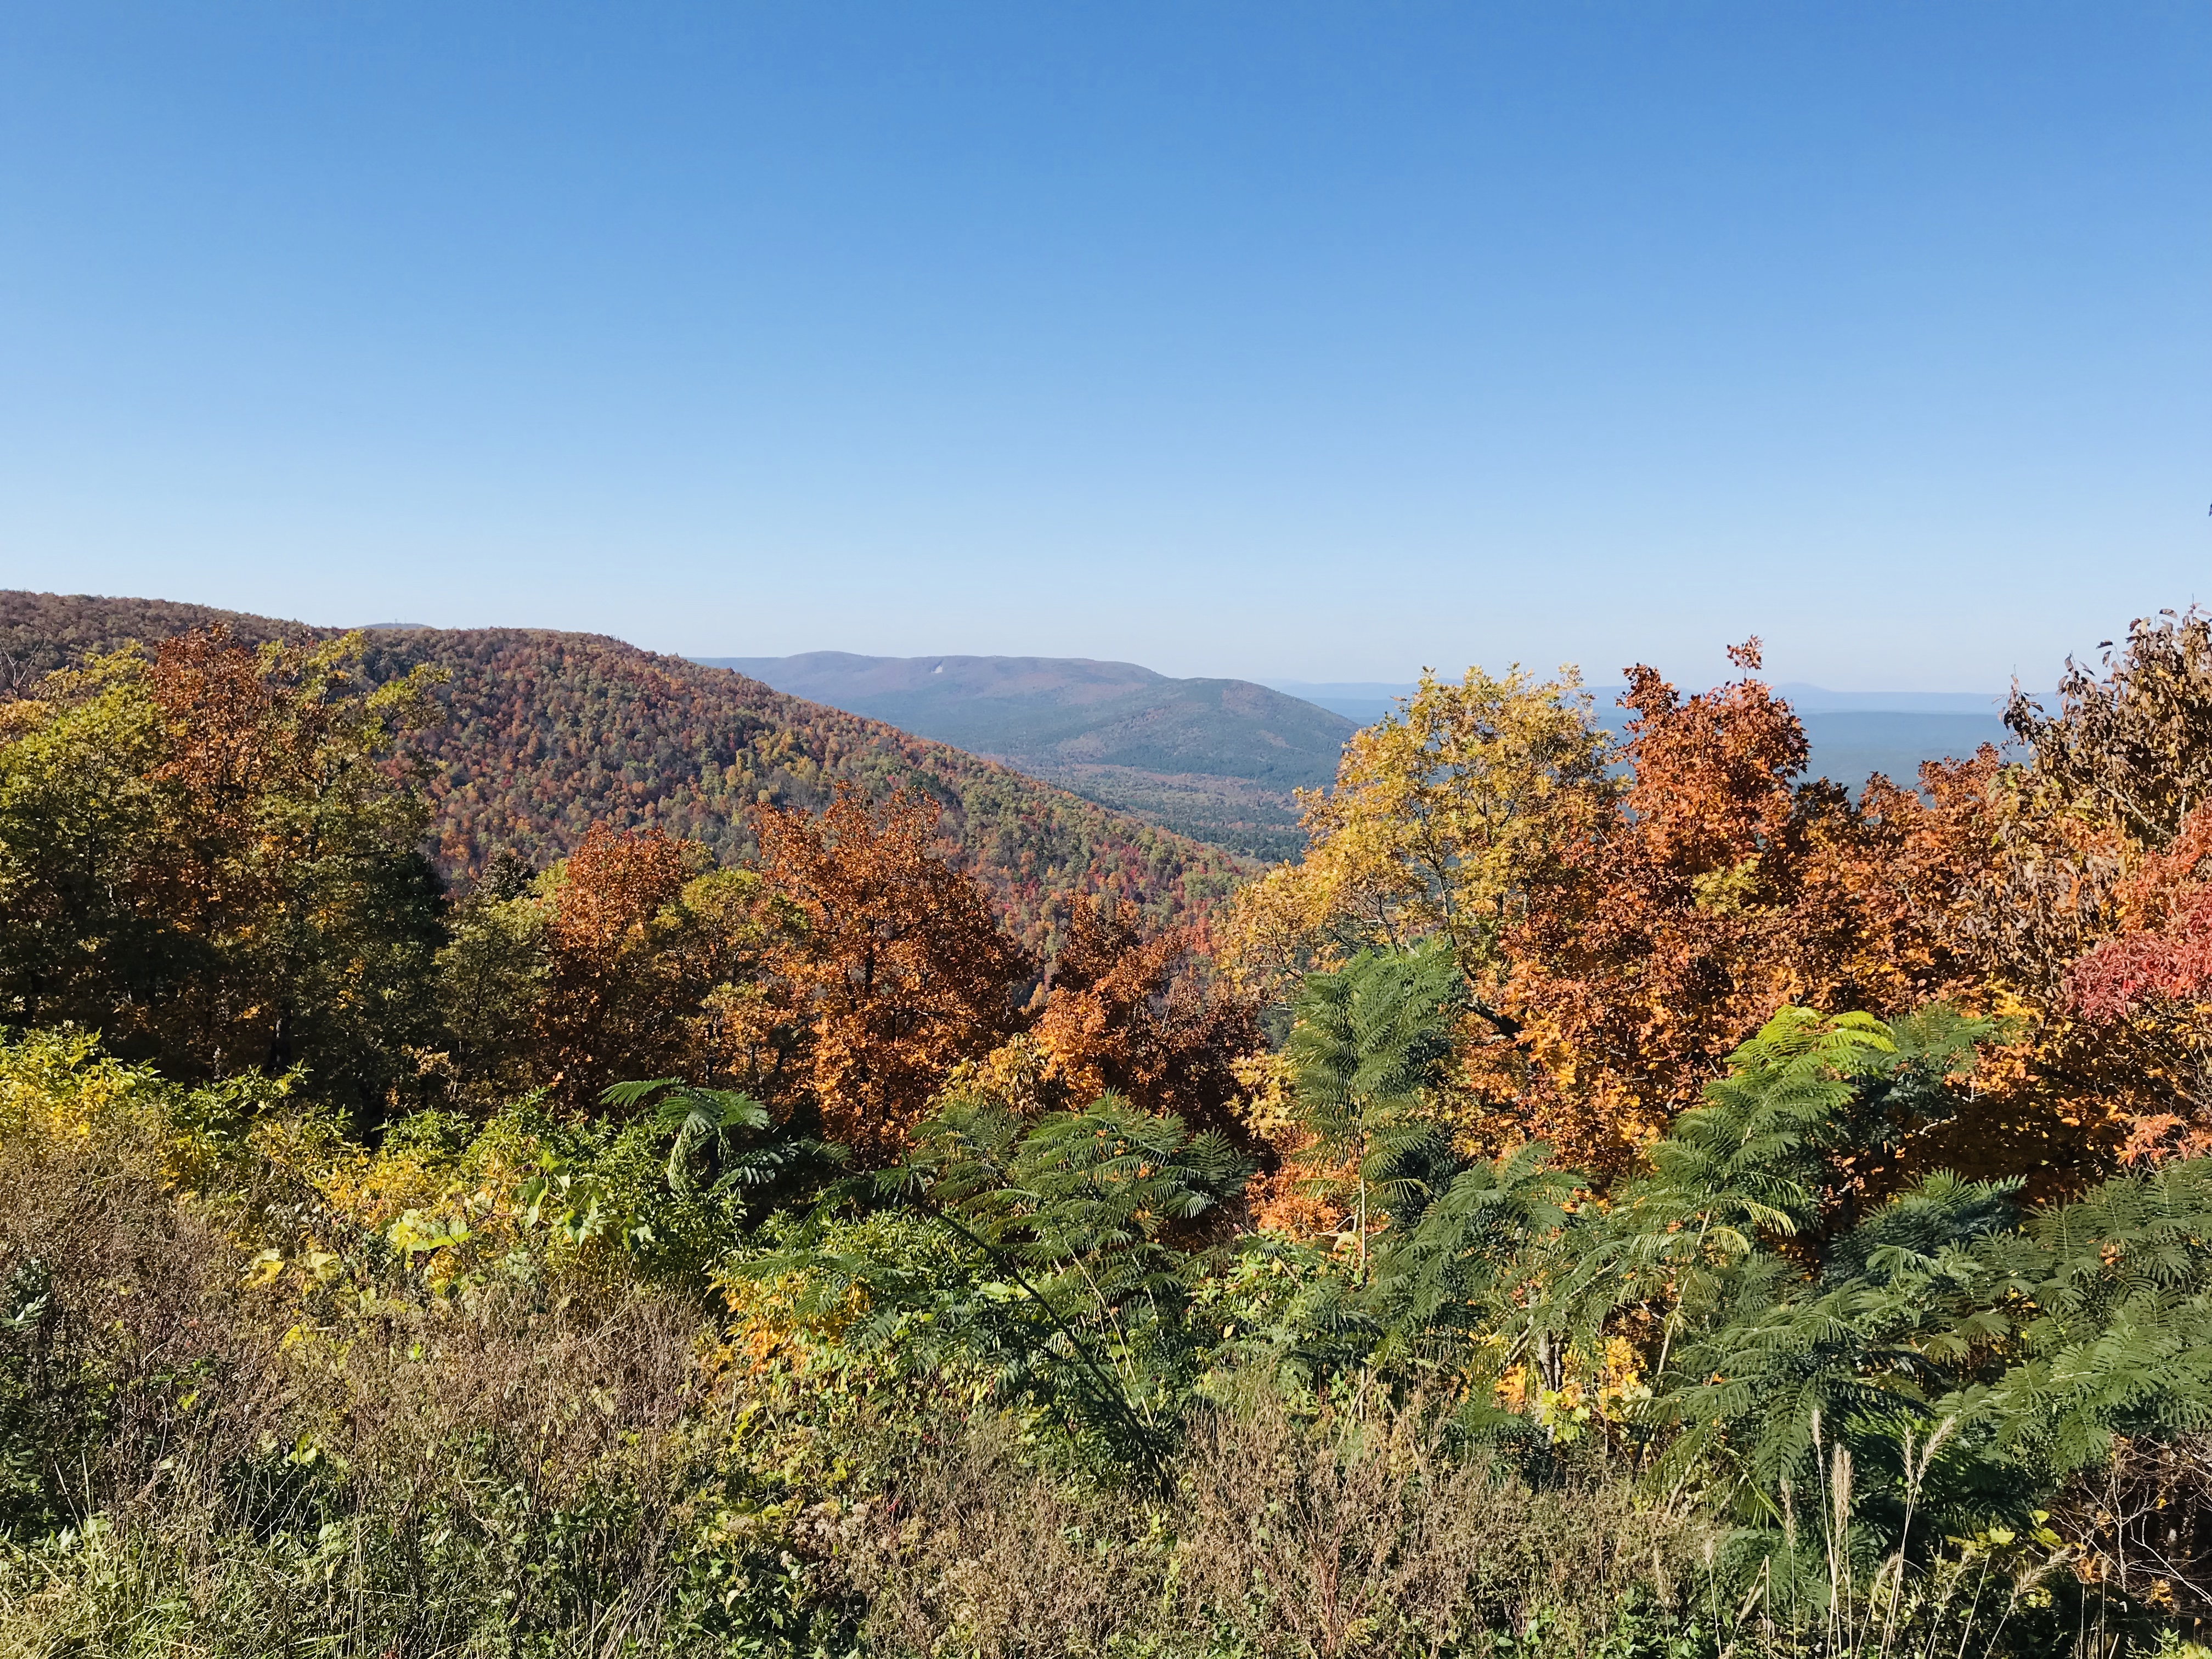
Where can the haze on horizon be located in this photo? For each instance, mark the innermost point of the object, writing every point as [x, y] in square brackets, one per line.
[1311, 343]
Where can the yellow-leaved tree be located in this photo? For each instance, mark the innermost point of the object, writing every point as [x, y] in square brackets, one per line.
[1445, 815]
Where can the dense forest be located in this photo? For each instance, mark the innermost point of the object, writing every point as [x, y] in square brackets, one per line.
[540, 735]
[477, 1190]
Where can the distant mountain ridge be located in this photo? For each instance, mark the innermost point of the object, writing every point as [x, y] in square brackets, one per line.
[1217, 759]
[1073, 709]
[546, 732]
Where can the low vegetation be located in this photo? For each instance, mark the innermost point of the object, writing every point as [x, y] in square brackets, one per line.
[1603, 1200]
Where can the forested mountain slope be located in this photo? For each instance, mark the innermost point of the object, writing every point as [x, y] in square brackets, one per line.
[545, 732]
[1215, 759]
[42, 632]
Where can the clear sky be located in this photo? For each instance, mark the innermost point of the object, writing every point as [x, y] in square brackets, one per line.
[1319, 342]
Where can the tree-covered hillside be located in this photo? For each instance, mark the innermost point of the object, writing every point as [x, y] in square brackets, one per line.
[1215, 759]
[545, 733]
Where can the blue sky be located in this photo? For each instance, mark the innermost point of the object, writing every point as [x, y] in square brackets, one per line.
[1315, 341]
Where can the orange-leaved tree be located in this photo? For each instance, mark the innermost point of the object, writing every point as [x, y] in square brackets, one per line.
[2149, 987]
[2082, 912]
[630, 958]
[889, 957]
[1136, 1016]
[628, 963]
[1719, 891]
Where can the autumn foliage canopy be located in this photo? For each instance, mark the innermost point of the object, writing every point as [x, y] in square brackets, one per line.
[214, 854]
[1636, 1107]
[1625, 916]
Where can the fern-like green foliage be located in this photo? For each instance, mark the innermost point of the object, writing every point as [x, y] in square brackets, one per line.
[1836, 1368]
[1748, 1161]
[1081, 1236]
[1783, 1365]
[1473, 1269]
[1848, 1363]
[1798, 1322]
[1371, 1040]
[2114, 1296]
[704, 1125]
[1780, 1152]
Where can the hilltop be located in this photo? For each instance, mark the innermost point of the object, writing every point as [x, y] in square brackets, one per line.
[1215, 759]
[546, 732]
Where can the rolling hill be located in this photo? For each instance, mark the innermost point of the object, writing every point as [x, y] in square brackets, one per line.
[544, 732]
[1215, 759]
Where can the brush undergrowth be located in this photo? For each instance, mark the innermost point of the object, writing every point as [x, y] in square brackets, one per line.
[263, 1391]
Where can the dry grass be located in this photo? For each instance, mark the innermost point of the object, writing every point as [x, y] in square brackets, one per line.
[196, 1462]
[243, 1469]
[1363, 1535]
[973, 1551]
[1355, 1537]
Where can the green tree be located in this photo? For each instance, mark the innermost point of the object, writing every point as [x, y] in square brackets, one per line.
[80, 817]
[208, 855]
[1067, 1256]
[1371, 1040]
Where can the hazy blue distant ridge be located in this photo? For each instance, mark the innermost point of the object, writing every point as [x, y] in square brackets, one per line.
[1215, 759]
[1218, 759]
[1072, 710]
